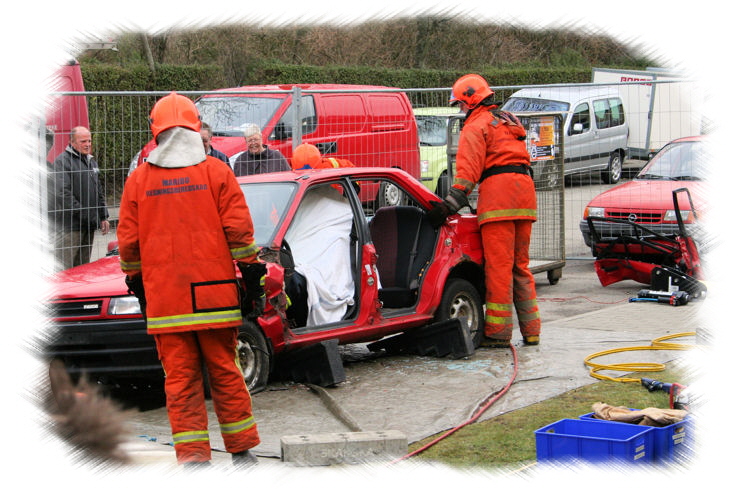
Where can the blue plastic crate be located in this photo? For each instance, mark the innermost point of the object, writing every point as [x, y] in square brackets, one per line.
[671, 442]
[591, 441]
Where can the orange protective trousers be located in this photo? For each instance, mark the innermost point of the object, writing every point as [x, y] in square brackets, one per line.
[182, 356]
[509, 280]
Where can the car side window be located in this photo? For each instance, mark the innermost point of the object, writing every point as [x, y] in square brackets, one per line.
[603, 116]
[616, 109]
[582, 116]
[307, 113]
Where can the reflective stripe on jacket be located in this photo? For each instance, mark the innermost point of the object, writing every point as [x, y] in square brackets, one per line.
[182, 228]
[485, 142]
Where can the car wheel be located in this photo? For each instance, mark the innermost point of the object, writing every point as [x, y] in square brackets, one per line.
[612, 173]
[389, 194]
[254, 356]
[462, 300]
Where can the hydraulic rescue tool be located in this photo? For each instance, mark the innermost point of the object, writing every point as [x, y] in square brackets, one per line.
[675, 298]
[665, 262]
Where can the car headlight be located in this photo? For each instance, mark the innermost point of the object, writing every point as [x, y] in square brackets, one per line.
[670, 216]
[127, 304]
[594, 212]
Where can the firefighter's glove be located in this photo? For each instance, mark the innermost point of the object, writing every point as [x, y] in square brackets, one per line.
[136, 287]
[510, 118]
[455, 200]
[515, 126]
[254, 297]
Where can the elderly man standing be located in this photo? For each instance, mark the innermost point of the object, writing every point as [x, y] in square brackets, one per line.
[258, 158]
[79, 207]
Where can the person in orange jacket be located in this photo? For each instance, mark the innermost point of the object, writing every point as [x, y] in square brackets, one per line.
[183, 221]
[493, 155]
[307, 156]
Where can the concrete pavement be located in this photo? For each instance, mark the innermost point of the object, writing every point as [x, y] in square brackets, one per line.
[421, 396]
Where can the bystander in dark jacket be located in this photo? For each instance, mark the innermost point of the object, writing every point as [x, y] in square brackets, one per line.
[78, 206]
[258, 158]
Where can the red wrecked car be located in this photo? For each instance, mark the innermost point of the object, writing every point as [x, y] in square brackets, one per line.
[647, 200]
[650, 229]
[340, 270]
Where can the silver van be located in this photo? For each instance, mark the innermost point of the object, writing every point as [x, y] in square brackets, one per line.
[595, 129]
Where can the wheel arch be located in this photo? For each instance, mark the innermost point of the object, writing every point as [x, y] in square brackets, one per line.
[472, 273]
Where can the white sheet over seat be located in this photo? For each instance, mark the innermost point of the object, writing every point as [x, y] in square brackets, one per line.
[319, 238]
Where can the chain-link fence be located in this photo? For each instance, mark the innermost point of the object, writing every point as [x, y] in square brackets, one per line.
[376, 127]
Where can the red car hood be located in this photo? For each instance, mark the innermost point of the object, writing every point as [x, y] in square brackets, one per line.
[100, 278]
[650, 194]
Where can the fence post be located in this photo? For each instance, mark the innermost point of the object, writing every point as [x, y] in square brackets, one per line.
[297, 119]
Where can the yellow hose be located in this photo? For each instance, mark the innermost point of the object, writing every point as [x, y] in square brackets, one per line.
[656, 344]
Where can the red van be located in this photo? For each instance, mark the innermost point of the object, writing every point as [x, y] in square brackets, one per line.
[372, 126]
[64, 112]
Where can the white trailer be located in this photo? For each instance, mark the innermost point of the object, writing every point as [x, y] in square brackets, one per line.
[660, 106]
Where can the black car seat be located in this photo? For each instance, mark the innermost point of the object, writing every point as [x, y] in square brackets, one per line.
[404, 241]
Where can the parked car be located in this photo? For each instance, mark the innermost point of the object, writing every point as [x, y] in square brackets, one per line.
[351, 272]
[432, 138]
[368, 125]
[595, 129]
[647, 200]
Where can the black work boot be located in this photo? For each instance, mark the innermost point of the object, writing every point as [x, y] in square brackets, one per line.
[488, 342]
[531, 340]
[244, 459]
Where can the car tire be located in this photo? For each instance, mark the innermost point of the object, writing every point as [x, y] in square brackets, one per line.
[461, 299]
[254, 356]
[612, 173]
[389, 195]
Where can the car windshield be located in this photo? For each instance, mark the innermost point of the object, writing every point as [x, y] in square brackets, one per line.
[229, 116]
[677, 161]
[268, 203]
[431, 130]
[524, 104]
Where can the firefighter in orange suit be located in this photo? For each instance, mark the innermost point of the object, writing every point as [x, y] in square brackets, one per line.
[183, 220]
[307, 156]
[492, 154]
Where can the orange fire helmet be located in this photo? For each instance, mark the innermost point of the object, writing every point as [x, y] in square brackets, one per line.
[174, 110]
[470, 89]
[305, 156]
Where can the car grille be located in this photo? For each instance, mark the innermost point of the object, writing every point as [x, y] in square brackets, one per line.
[638, 217]
[68, 309]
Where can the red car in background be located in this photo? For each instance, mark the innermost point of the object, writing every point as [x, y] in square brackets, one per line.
[341, 269]
[644, 206]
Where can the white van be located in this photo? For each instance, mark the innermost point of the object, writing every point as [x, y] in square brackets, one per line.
[595, 130]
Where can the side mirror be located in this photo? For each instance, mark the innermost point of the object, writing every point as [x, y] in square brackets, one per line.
[282, 131]
[577, 128]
